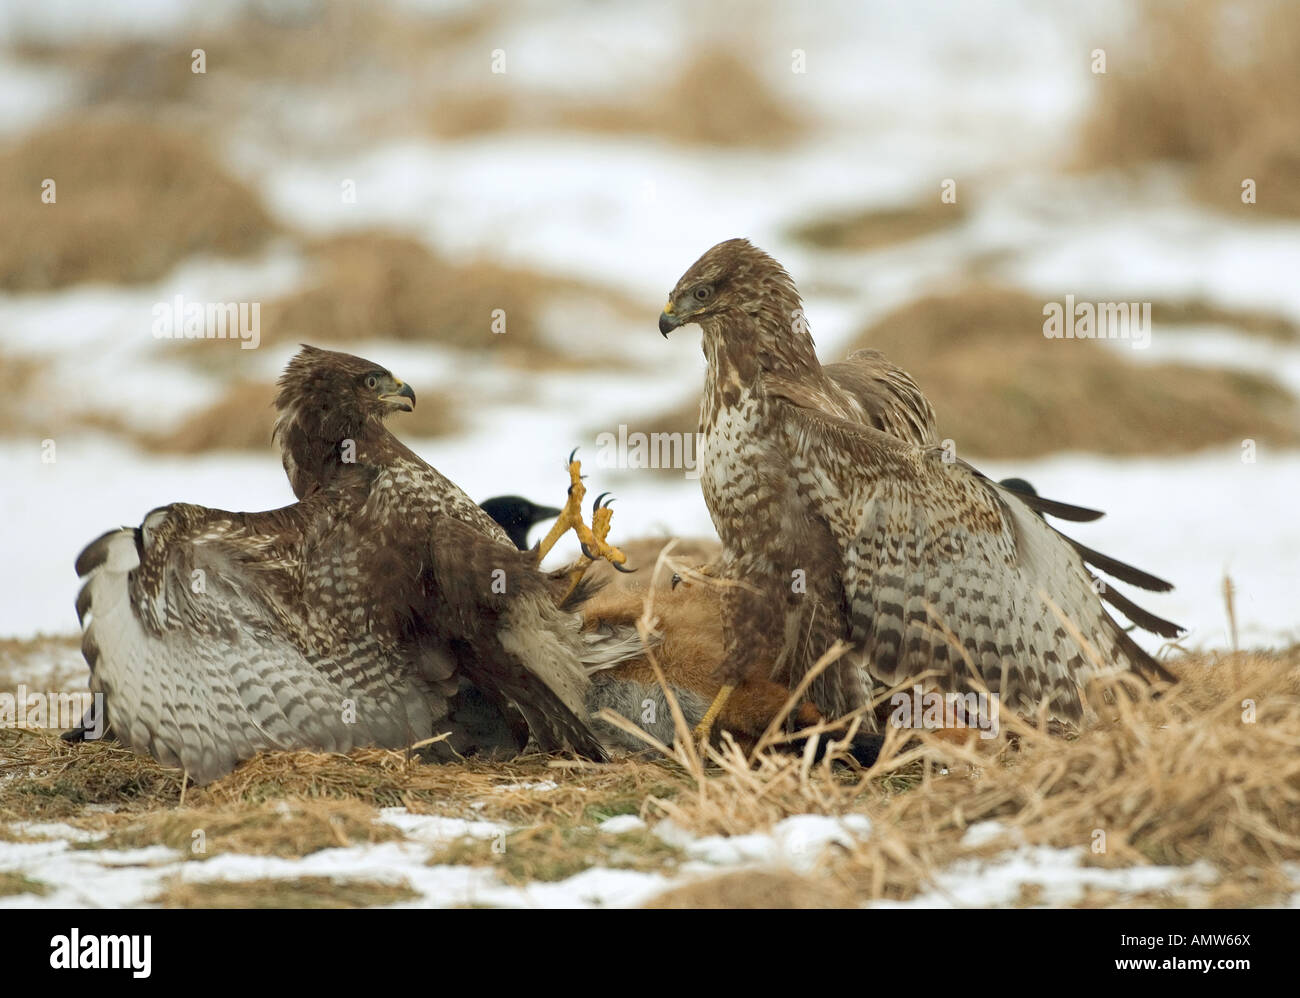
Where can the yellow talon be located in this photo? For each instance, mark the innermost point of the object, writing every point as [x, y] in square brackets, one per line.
[704, 729]
[591, 538]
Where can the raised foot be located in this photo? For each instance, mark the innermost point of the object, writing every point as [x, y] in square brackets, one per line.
[591, 538]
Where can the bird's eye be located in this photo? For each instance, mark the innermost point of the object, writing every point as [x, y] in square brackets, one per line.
[703, 293]
[372, 382]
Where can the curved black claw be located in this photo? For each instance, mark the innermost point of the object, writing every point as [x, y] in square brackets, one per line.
[570, 460]
[620, 568]
[593, 555]
[596, 505]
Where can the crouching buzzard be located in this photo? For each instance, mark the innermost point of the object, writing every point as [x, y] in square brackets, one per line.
[842, 520]
[382, 608]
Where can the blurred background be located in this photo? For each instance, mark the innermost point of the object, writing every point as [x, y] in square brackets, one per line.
[493, 199]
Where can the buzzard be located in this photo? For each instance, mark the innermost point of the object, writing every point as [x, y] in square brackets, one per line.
[844, 520]
[382, 608]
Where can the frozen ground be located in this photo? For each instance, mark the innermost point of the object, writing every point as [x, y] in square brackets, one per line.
[86, 877]
[909, 92]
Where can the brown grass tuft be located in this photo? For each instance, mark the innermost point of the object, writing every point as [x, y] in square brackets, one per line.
[21, 378]
[53, 662]
[717, 99]
[981, 357]
[872, 228]
[550, 853]
[49, 779]
[132, 200]
[16, 883]
[375, 285]
[274, 828]
[240, 420]
[757, 889]
[1214, 85]
[1170, 781]
[299, 892]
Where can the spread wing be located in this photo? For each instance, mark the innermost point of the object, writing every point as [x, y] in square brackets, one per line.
[885, 396]
[197, 631]
[515, 643]
[946, 572]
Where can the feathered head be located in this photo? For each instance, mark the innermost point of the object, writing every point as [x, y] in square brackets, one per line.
[734, 279]
[343, 393]
[326, 400]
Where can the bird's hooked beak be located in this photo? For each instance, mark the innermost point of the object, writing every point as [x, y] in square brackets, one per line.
[667, 320]
[403, 398]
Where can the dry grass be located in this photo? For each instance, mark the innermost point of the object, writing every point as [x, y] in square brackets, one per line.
[333, 52]
[757, 889]
[375, 285]
[53, 662]
[1186, 777]
[132, 200]
[1002, 389]
[299, 892]
[872, 228]
[1170, 781]
[240, 420]
[1213, 85]
[716, 99]
[1198, 312]
[21, 379]
[16, 883]
[288, 829]
[386, 72]
[550, 853]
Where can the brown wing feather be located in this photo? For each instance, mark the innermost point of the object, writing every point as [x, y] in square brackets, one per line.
[886, 396]
[942, 575]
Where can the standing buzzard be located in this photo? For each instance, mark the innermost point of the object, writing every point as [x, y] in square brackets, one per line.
[382, 608]
[842, 520]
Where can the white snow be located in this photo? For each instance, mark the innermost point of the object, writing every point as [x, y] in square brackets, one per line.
[898, 97]
[121, 878]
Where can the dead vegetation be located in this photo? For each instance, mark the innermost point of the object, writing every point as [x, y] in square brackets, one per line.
[131, 199]
[1206, 773]
[375, 285]
[51, 662]
[331, 54]
[296, 892]
[432, 70]
[1213, 85]
[550, 853]
[872, 228]
[1002, 389]
[289, 829]
[717, 99]
[782, 889]
[17, 883]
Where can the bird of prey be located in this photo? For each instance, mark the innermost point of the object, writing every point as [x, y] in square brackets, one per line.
[382, 608]
[843, 520]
